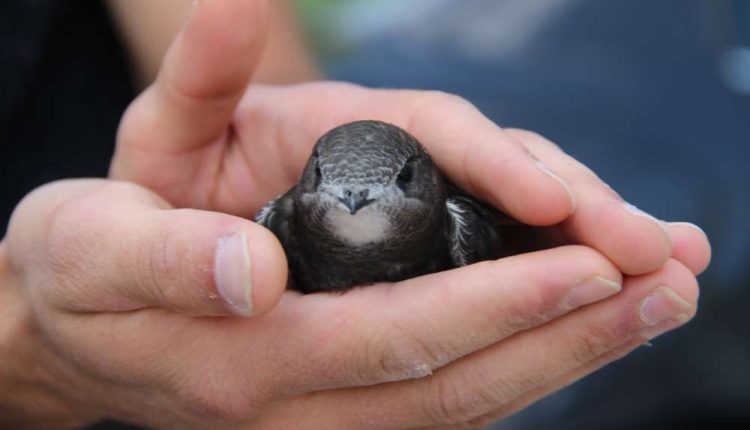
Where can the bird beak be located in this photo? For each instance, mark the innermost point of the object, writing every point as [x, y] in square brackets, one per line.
[355, 202]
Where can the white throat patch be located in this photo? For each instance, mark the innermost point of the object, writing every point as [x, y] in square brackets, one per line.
[368, 225]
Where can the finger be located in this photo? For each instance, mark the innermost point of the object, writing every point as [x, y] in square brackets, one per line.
[503, 378]
[482, 159]
[675, 273]
[472, 150]
[690, 246]
[635, 241]
[114, 250]
[203, 76]
[543, 391]
[409, 329]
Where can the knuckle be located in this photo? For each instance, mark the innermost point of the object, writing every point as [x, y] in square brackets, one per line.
[592, 260]
[211, 390]
[453, 101]
[449, 98]
[522, 134]
[396, 354]
[205, 403]
[533, 140]
[584, 175]
[448, 402]
[435, 99]
[585, 252]
[71, 231]
[527, 308]
[589, 346]
[595, 342]
[156, 263]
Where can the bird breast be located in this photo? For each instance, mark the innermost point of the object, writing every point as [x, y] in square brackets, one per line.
[368, 225]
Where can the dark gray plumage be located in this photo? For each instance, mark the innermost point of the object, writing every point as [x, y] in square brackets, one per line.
[371, 206]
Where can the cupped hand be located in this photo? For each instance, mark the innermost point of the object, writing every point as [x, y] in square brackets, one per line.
[200, 137]
[112, 303]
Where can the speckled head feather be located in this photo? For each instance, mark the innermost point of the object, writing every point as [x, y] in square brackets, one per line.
[388, 179]
[370, 152]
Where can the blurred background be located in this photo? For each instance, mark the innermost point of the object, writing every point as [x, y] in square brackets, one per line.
[652, 95]
[655, 97]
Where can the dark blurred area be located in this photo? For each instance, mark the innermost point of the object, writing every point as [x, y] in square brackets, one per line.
[652, 95]
[64, 82]
[655, 97]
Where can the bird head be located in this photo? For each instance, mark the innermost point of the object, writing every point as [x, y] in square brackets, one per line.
[369, 181]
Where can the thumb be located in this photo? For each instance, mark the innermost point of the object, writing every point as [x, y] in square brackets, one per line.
[202, 78]
[119, 249]
[203, 263]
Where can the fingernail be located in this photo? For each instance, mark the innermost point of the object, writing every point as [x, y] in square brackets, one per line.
[232, 273]
[589, 291]
[661, 305]
[547, 171]
[638, 212]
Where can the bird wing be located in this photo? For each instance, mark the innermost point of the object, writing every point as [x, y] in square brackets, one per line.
[473, 230]
[276, 216]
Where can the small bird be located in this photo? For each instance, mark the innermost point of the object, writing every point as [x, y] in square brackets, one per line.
[371, 206]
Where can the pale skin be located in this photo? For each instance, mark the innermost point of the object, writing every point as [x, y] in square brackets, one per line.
[148, 27]
[105, 287]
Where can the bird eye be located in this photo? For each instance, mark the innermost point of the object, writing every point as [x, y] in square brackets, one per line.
[406, 173]
[318, 174]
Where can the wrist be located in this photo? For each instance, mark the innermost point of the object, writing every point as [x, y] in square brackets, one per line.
[31, 396]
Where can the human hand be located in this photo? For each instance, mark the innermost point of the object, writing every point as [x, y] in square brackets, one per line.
[110, 306]
[201, 139]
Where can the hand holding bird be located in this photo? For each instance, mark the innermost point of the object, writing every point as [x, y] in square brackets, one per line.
[202, 138]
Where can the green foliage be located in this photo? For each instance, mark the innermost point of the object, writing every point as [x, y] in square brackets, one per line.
[319, 19]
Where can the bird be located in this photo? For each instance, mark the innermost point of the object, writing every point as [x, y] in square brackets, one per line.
[371, 206]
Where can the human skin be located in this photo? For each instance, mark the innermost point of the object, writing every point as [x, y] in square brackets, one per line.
[113, 305]
[112, 308]
[148, 27]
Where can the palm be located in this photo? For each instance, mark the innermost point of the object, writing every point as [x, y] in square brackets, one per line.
[263, 148]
